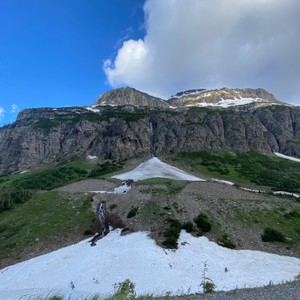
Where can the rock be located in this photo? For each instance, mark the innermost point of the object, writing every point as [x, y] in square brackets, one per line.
[41, 137]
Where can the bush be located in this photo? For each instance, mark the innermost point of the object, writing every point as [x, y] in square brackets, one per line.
[132, 213]
[292, 214]
[203, 223]
[188, 226]
[9, 197]
[114, 220]
[272, 235]
[172, 234]
[124, 290]
[226, 242]
[208, 286]
[106, 168]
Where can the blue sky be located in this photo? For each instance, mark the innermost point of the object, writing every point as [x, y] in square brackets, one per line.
[56, 53]
[52, 51]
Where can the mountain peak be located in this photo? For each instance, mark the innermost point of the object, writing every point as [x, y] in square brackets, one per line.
[129, 96]
[223, 97]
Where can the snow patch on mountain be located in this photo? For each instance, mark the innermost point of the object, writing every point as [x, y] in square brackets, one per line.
[156, 168]
[287, 157]
[286, 193]
[80, 271]
[229, 102]
[222, 181]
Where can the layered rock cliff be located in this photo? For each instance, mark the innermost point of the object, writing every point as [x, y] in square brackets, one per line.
[41, 137]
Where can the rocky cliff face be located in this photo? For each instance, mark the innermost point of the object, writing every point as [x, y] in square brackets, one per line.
[41, 137]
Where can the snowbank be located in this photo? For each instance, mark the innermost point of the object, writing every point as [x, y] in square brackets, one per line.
[223, 181]
[92, 157]
[81, 270]
[286, 193]
[156, 168]
[287, 157]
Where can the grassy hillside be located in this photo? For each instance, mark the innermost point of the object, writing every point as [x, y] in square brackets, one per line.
[47, 220]
[36, 219]
[246, 168]
[19, 188]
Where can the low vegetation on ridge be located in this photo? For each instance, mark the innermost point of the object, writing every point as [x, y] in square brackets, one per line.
[246, 167]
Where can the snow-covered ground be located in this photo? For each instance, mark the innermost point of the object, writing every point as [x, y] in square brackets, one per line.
[231, 102]
[223, 181]
[81, 270]
[251, 190]
[287, 157]
[156, 168]
[286, 193]
[91, 157]
[95, 110]
[122, 189]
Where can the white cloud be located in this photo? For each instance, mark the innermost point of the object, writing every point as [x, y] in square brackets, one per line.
[211, 44]
[14, 108]
[1, 112]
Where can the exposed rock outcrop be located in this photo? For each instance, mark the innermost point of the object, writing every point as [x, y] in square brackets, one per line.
[41, 137]
[130, 96]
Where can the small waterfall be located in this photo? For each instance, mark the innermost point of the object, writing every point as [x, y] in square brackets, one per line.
[151, 127]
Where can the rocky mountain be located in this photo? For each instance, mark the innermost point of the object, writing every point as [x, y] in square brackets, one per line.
[222, 97]
[138, 125]
[129, 96]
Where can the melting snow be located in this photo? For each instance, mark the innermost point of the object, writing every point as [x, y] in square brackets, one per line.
[92, 109]
[251, 190]
[286, 193]
[287, 157]
[231, 102]
[122, 189]
[156, 168]
[92, 157]
[25, 171]
[223, 181]
[80, 270]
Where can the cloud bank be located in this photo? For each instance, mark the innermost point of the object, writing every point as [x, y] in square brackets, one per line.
[212, 44]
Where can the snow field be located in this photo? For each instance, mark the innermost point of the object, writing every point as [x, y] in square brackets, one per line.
[84, 270]
[156, 168]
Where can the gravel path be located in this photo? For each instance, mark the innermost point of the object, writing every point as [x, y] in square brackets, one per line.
[279, 292]
[87, 186]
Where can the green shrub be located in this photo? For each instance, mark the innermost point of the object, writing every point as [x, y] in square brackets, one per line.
[272, 235]
[132, 213]
[9, 197]
[203, 223]
[188, 226]
[124, 290]
[226, 242]
[208, 286]
[52, 178]
[292, 214]
[172, 234]
[106, 168]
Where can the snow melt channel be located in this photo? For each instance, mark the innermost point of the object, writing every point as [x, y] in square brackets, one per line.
[156, 168]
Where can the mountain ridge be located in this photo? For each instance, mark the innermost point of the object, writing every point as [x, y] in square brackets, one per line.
[222, 98]
[41, 137]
